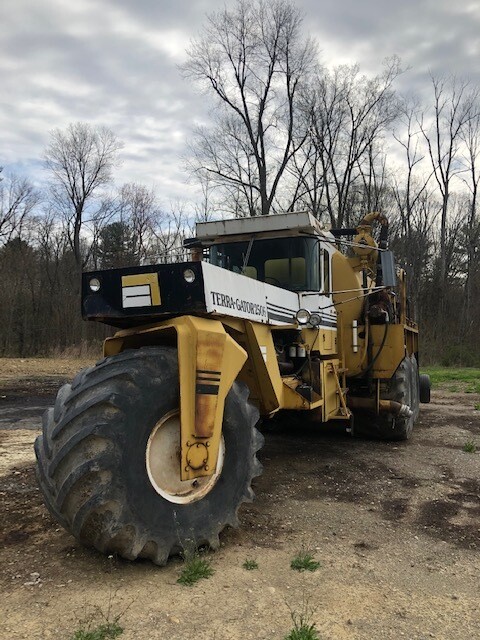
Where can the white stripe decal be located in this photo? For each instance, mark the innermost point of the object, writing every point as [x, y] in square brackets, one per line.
[136, 296]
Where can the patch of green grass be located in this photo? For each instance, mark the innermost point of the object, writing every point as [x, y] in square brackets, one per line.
[100, 623]
[304, 561]
[477, 406]
[102, 632]
[303, 627]
[250, 565]
[303, 632]
[454, 379]
[470, 447]
[195, 569]
[473, 388]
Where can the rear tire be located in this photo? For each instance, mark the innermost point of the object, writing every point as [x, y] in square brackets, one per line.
[404, 388]
[425, 386]
[91, 459]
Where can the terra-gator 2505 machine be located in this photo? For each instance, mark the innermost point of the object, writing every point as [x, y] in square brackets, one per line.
[156, 444]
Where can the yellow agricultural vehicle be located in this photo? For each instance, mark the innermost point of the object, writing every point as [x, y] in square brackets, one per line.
[156, 444]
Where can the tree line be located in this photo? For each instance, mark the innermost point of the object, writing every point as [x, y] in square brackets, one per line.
[286, 133]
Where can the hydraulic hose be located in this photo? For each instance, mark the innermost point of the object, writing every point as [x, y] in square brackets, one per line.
[374, 359]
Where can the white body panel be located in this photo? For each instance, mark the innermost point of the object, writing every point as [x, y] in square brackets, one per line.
[236, 295]
[323, 305]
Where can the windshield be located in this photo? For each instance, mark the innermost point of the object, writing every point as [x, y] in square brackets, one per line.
[290, 263]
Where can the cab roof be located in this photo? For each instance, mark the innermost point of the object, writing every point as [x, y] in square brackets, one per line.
[282, 224]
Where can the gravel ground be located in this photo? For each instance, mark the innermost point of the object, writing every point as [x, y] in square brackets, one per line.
[395, 528]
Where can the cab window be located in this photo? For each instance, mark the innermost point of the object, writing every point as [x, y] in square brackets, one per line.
[290, 263]
[326, 286]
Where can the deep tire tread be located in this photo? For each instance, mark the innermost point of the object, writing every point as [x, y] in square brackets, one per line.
[107, 398]
[76, 474]
[69, 475]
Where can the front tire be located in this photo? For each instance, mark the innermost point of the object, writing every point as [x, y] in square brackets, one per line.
[92, 463]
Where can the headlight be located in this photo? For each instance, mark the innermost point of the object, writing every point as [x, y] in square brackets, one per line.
[315, 319]
[94, 284]
[189, 275]
[302, 316]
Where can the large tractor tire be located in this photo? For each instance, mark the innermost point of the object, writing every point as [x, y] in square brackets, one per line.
[404, 388]
[108, 460]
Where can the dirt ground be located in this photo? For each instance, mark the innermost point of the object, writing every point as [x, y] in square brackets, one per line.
[394, 526]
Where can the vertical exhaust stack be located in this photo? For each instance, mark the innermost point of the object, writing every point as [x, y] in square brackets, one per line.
[375, 256]
[367, 220]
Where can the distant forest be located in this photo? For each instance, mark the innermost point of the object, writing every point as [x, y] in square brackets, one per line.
[286, 134]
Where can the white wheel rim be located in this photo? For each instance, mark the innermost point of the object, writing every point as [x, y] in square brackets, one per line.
[163, 464]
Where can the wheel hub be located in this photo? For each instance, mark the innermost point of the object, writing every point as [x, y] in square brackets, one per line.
[197, 456]
[163, 459]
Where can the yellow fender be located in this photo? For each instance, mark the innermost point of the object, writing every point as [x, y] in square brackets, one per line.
[209, 361]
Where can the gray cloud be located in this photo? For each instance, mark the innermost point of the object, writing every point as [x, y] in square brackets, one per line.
[114, 62]
[435, 36]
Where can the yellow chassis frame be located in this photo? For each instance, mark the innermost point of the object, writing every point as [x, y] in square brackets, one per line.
[210, 360]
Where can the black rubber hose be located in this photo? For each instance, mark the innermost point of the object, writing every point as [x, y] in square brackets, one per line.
[370, 366]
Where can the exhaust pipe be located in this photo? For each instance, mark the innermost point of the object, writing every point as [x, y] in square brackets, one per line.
[367, 221]
[384, 406]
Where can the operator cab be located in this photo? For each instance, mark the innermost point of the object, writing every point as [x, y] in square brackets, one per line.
[283, 250]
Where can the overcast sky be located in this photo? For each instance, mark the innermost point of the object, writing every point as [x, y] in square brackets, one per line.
[114, 62]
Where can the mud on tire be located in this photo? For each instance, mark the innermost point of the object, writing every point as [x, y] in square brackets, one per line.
[91, 463]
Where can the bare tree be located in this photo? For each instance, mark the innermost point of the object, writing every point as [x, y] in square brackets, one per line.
[207, 205]
[411, 189]
[349, 115]
[254, 59]
[80, 160]
[139, 209]
[167, 243]
[375, 191]
[307, 176]
[471, 140]
[18, 199]
[455, 105]
[416, 207]
[105, 211]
